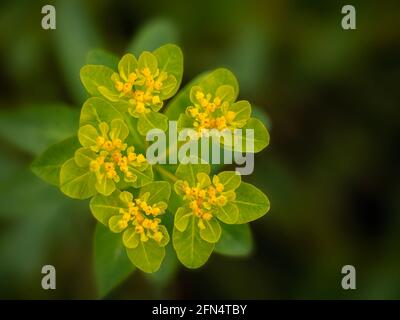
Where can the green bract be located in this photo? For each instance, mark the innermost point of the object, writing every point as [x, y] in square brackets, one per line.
[208, 203]
[140, 86]
[105, 161]
[143, 234]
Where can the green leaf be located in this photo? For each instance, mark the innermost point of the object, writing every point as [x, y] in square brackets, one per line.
[119, 130]
[261, 135]
[130, 238]
[170, 60]
[94, 76]
[73, 41]
[159, 191]
[236, 240]
[34, 128]
[47, 165]
[104, 207]
[182, 217]
[217, 78]
[96, 110]
[127, 65]
[209, 81]
[152, 35]
[111, 264]
[143, 177]
[229, 213]
[102, 57]
[83, 157]
[226, 93]
[261, 115]
[152, 120]
[148, 60]
[105, 186]
[230, 180]
[77, 182]
[167, 271]
[242, 110]
[212, 231]
[251, 202]
[147, 256]
[192, 251]
[188, 172]
[87, 135]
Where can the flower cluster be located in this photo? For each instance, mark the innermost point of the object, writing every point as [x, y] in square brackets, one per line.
[205, 197]
[110, 157]
[142, 88]
[214, 111]
[139, 219]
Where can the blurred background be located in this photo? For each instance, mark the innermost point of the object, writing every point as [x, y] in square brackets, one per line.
[331, 171]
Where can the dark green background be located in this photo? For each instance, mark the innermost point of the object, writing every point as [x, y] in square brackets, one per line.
[331, 171]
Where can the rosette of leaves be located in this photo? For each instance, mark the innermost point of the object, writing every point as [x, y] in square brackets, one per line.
[138, 217]
[105, 160]
[139, 86]
[206, 205]
[210, 102]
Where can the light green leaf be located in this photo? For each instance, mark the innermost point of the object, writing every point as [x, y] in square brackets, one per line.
[111, 264]
[217, 78]
[192, 251]
[119, 129]
[159, 191]
[165, 275]
[102, 57]
[230, 180]
[47, 166]
[104, 207]
[96, 110]
[251, 202]
[188, 172]
[170, 60]
[94, 76]
[83, 157]
[242, 110]
[236, 240]
[130, 238]
[261, 135]
[152, 120]
[148, 60]
[169, 87]
[229, 213]
[87, 135]
[111, 95]
[127, 65]
[77, 182]
[182, 217]
[147, 256]
[105, 186]
[114, 224]
[212, 231]
[143, 177]
[226, 93]
[34, 128]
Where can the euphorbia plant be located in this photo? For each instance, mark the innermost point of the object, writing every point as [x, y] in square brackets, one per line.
[147, 204]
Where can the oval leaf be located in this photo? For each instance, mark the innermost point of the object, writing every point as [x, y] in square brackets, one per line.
[251, 202]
